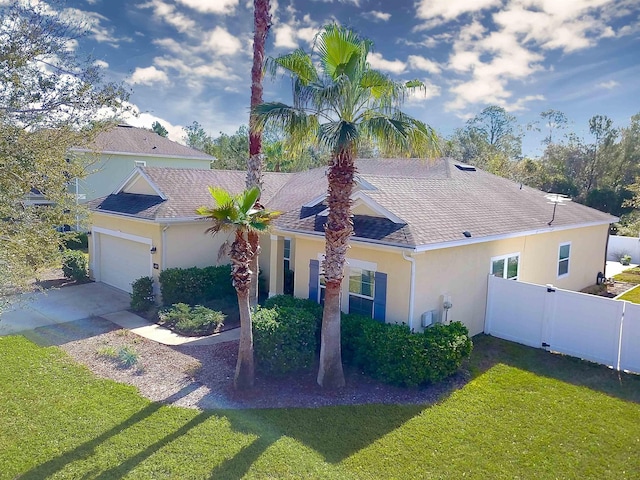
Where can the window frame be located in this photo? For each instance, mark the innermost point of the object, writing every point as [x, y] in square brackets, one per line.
[350, 294]
[286, 260]
[140, 163]
[505, 269]
[567, 260]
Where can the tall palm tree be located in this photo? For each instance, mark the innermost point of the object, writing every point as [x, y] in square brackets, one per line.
[240, 214]
[341, 103]
[261, 24]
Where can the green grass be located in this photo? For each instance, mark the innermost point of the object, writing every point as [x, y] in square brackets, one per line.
[631, 275]
[525, 414]
[632, 295]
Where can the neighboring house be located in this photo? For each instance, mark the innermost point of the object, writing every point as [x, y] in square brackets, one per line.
[427, 235]
[116, 152]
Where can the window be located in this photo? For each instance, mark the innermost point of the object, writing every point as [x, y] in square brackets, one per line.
[563, 259]
[506, 266]
[287, 254]
[140, 163]
[361, 291]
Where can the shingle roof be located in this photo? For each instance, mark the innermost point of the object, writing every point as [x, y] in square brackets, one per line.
[435, 201]
[136, 141]
[185, 190]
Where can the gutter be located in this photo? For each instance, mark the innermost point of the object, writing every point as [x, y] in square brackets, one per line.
[412, 288]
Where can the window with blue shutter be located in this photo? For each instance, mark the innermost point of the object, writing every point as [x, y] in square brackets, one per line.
[380, 297]
[314, 274]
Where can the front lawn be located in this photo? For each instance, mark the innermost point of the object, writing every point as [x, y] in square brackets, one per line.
[632, 295]
[525, 414]
[631, 275]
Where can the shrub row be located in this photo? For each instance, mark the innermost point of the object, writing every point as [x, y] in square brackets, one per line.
[75, 241]
[286, 334]
[195, 285]
[392, 354]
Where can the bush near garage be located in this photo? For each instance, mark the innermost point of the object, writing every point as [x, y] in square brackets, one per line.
[74, 265]
[196, 286]
[393, 354]
[142, 296]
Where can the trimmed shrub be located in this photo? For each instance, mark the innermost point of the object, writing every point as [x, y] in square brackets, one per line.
[74, 265]
[192, 322]
[75, 241]
[395, 355]
[288, 301]
[284, 339]
[142, 297]
[195, 285]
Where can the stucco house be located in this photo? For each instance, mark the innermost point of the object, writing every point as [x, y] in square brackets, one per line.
[427, 235]
[116, 152]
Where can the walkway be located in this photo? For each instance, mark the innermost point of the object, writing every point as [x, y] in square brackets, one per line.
[70, 313]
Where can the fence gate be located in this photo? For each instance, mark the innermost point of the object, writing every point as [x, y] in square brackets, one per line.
[594, 328]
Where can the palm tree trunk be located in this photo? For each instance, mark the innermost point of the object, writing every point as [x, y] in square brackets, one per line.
[241, 255]
[245, 374]
[338, 229]
[262, 22]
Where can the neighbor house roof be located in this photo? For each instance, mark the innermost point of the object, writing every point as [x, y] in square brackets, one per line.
[409, 203]
[127, 140]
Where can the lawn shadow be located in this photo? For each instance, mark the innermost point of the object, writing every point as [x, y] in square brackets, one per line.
[86, 449]
[61, 333]
[333, 432]
[489, 351]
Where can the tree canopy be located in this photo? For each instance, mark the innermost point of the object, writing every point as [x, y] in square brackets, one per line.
[50, 100]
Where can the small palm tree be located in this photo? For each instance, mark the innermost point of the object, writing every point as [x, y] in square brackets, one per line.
[240, 214]
[341, 103]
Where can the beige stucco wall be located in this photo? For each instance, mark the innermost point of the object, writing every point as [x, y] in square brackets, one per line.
[386, 260]
[106, 172]
[461, 272]
[187, 245]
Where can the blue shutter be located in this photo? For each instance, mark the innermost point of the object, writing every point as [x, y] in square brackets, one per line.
[380, 297]
[314, 274]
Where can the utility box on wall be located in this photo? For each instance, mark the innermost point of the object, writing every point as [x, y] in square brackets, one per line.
[429, 318]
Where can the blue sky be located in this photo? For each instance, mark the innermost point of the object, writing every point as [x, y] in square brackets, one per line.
[190, 60]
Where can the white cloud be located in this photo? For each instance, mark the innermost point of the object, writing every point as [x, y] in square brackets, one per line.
[145, 119]
[417, 62]
[148, 76]
[212, 6]
[379, 63]
[377, 16]
[610, 85]
[94, 22]
[167, 13]
[221, 42]
[287, 35]
[101, 64]
[451, 9]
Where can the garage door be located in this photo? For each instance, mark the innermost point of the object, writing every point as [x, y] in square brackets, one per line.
[122, 261]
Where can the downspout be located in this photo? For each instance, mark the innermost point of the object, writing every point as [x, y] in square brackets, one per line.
[412, 288]
[163, 256]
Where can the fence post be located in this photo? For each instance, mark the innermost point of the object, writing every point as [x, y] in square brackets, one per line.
[488, 309]
[548, 316]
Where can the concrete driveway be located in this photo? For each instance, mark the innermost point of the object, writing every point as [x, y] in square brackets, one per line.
[62, 306]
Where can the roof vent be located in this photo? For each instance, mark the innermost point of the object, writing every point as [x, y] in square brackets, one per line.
[465, 168]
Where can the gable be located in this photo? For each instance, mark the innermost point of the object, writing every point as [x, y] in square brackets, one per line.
[139, 185]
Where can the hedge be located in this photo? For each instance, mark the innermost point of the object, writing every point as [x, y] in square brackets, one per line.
[142, 297]
[195, 285]
[284, 339]
[395, 355]
[74, 265]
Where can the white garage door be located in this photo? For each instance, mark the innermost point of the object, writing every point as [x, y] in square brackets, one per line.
[122, 261]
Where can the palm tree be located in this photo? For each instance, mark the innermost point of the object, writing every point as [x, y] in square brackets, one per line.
[261, 22]
[341, 103]
[240, 214]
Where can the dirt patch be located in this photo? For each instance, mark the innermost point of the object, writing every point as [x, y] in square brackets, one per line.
[202, 377]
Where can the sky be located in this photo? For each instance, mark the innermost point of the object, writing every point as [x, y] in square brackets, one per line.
[190, 60]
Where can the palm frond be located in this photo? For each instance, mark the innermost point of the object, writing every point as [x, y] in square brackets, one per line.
[248, 199]
[341, 51]
[297, 64]
[338, 135]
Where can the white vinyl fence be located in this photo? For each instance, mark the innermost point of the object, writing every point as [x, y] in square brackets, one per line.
[619, 246]
[594, 328]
